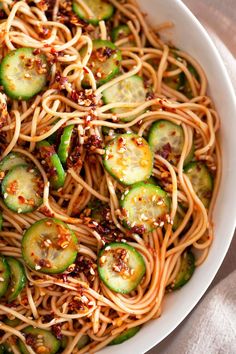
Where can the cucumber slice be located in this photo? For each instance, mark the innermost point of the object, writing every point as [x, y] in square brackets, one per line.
[55, 169]
[104, 61]
[121, 267]
[49, 246]
[167, 139]
[17, 279]
[4, 275]
[22, 189]
[130, 90]
[101, 10]
[23, 74]
[65, 144]
[201, 180]
[128, 158]
[84, 340]
[145, 206]
[11, 160]
[120, 32]
[12, 323]
[187, 268]
[48, 342]
[127, 334]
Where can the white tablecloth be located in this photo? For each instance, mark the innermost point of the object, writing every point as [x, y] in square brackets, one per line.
[214, 318]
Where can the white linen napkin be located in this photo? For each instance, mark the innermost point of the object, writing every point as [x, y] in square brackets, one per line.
[211, 327]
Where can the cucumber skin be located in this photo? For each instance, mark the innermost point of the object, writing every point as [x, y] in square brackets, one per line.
[7, 274]
[131, 249]
[63, 149]
[5, 160]
[8, 91]
[181, 278]
[31, 264]
[58, 180]
[22, 281]
[193, 164]
[124, 336]
[94, 22]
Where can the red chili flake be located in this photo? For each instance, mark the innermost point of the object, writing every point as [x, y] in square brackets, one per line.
[30, 339]
[74, 159]
[93, 142]
[13, 187]
[2, 14]
[56, 330]
[138, 229]
[165, 151]
[21, 199]
[44, 263]
[36, 51]
[85, 70]
[47, 212]
[61, 80]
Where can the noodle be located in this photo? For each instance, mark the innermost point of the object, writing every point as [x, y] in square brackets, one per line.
[46, 300]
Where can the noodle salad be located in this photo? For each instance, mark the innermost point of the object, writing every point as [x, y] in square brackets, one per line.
[109, 171]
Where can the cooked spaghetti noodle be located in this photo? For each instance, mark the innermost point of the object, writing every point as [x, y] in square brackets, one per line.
[77, 302]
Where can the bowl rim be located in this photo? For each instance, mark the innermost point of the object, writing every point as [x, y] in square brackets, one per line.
[141, 346]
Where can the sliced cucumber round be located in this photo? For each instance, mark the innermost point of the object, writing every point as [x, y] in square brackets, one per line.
[17, 279]
[186, 271]
[128, 158]
[127, 334]
[22, 189]
[201, 180]
[104, 61]
[55, 169]
[101, 10]
[49, 246]
[23, 74]
[4, 275]
[11, 160]
[167, 139]
[130, 90]
[121, 267]
[83, 341]
[120, 32]
[65, 143]
[146, 206]
[48, 342]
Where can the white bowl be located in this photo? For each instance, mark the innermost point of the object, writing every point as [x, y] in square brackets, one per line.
[190, 36]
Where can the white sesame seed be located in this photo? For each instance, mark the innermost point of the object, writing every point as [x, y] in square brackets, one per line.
[37, 267]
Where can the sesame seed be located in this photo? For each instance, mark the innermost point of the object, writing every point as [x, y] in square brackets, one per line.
[37, 267]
